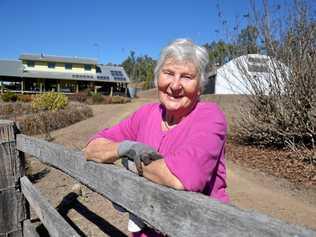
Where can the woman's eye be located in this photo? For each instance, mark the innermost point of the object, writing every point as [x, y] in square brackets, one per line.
[167, 73]
[187, 77]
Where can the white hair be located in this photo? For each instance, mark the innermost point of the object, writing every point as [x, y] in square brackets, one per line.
[185, 50]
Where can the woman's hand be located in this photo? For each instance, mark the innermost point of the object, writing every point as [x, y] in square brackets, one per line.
[139, 153]
[101, 150]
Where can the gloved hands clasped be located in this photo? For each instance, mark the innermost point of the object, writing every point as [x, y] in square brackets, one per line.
[138, 153]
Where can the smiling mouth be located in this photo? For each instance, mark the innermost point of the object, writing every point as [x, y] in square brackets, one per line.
[173, 97]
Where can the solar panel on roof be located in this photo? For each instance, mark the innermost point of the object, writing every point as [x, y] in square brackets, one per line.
[119, 78]
[103, 77]
[116, 73]
[82, 76]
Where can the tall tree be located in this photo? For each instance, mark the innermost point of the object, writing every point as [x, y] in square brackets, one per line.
[129, 66]
[220, 52]
[247, 40]
[140, 69]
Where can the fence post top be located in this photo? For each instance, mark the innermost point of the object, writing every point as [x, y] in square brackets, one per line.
[8, 130]
[5, 122]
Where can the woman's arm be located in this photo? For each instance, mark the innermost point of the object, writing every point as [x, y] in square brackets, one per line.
[158, 172]
[101, 150]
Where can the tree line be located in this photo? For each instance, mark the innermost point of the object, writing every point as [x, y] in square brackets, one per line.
[141, 68]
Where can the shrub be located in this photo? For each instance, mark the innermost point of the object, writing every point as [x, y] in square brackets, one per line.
[120, 100]
[107, 99]
[52, 101]
[80, 97]
[6, 110]
[117, 99]
[9, 96]
[13, 109]
[43, 122]
[96, 98]
[25, 98]
[126, 100]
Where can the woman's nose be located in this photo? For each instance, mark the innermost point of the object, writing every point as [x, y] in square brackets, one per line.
[176, 84]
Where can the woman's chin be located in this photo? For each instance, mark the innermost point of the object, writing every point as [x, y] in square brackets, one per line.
[173, 106]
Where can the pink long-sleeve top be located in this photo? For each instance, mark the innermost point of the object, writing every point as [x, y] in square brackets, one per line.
[193, 150]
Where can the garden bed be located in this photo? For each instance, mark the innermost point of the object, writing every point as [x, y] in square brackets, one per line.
[32, 122]
[277, 162]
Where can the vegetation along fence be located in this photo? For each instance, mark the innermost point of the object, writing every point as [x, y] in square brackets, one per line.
[175, 213]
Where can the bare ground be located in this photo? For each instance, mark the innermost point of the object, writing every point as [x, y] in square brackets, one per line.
[248, 188]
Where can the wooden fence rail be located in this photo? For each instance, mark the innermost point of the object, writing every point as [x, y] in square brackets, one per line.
[51, 219]
[175, 213]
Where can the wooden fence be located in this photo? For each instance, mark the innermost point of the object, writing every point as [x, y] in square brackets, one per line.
[175, 213]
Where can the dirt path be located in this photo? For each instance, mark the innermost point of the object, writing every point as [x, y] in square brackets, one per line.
[248, 189]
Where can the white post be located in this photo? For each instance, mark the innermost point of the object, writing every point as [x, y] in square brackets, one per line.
[22, 86]
[126, 88]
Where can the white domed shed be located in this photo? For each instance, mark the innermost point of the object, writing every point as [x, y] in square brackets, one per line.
[238, 75]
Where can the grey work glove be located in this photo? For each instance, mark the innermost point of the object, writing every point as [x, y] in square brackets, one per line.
[138, 152]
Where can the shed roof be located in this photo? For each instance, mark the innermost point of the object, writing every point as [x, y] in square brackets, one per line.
[60, 59]
[236, 76]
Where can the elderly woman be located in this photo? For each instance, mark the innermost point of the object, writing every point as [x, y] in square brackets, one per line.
[178, 142]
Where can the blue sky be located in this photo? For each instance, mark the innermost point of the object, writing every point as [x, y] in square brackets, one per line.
[109, 30]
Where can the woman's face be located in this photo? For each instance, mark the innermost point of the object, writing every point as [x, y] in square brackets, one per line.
[178, 86]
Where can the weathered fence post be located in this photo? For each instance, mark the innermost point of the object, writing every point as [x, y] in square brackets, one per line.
[12, 167]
